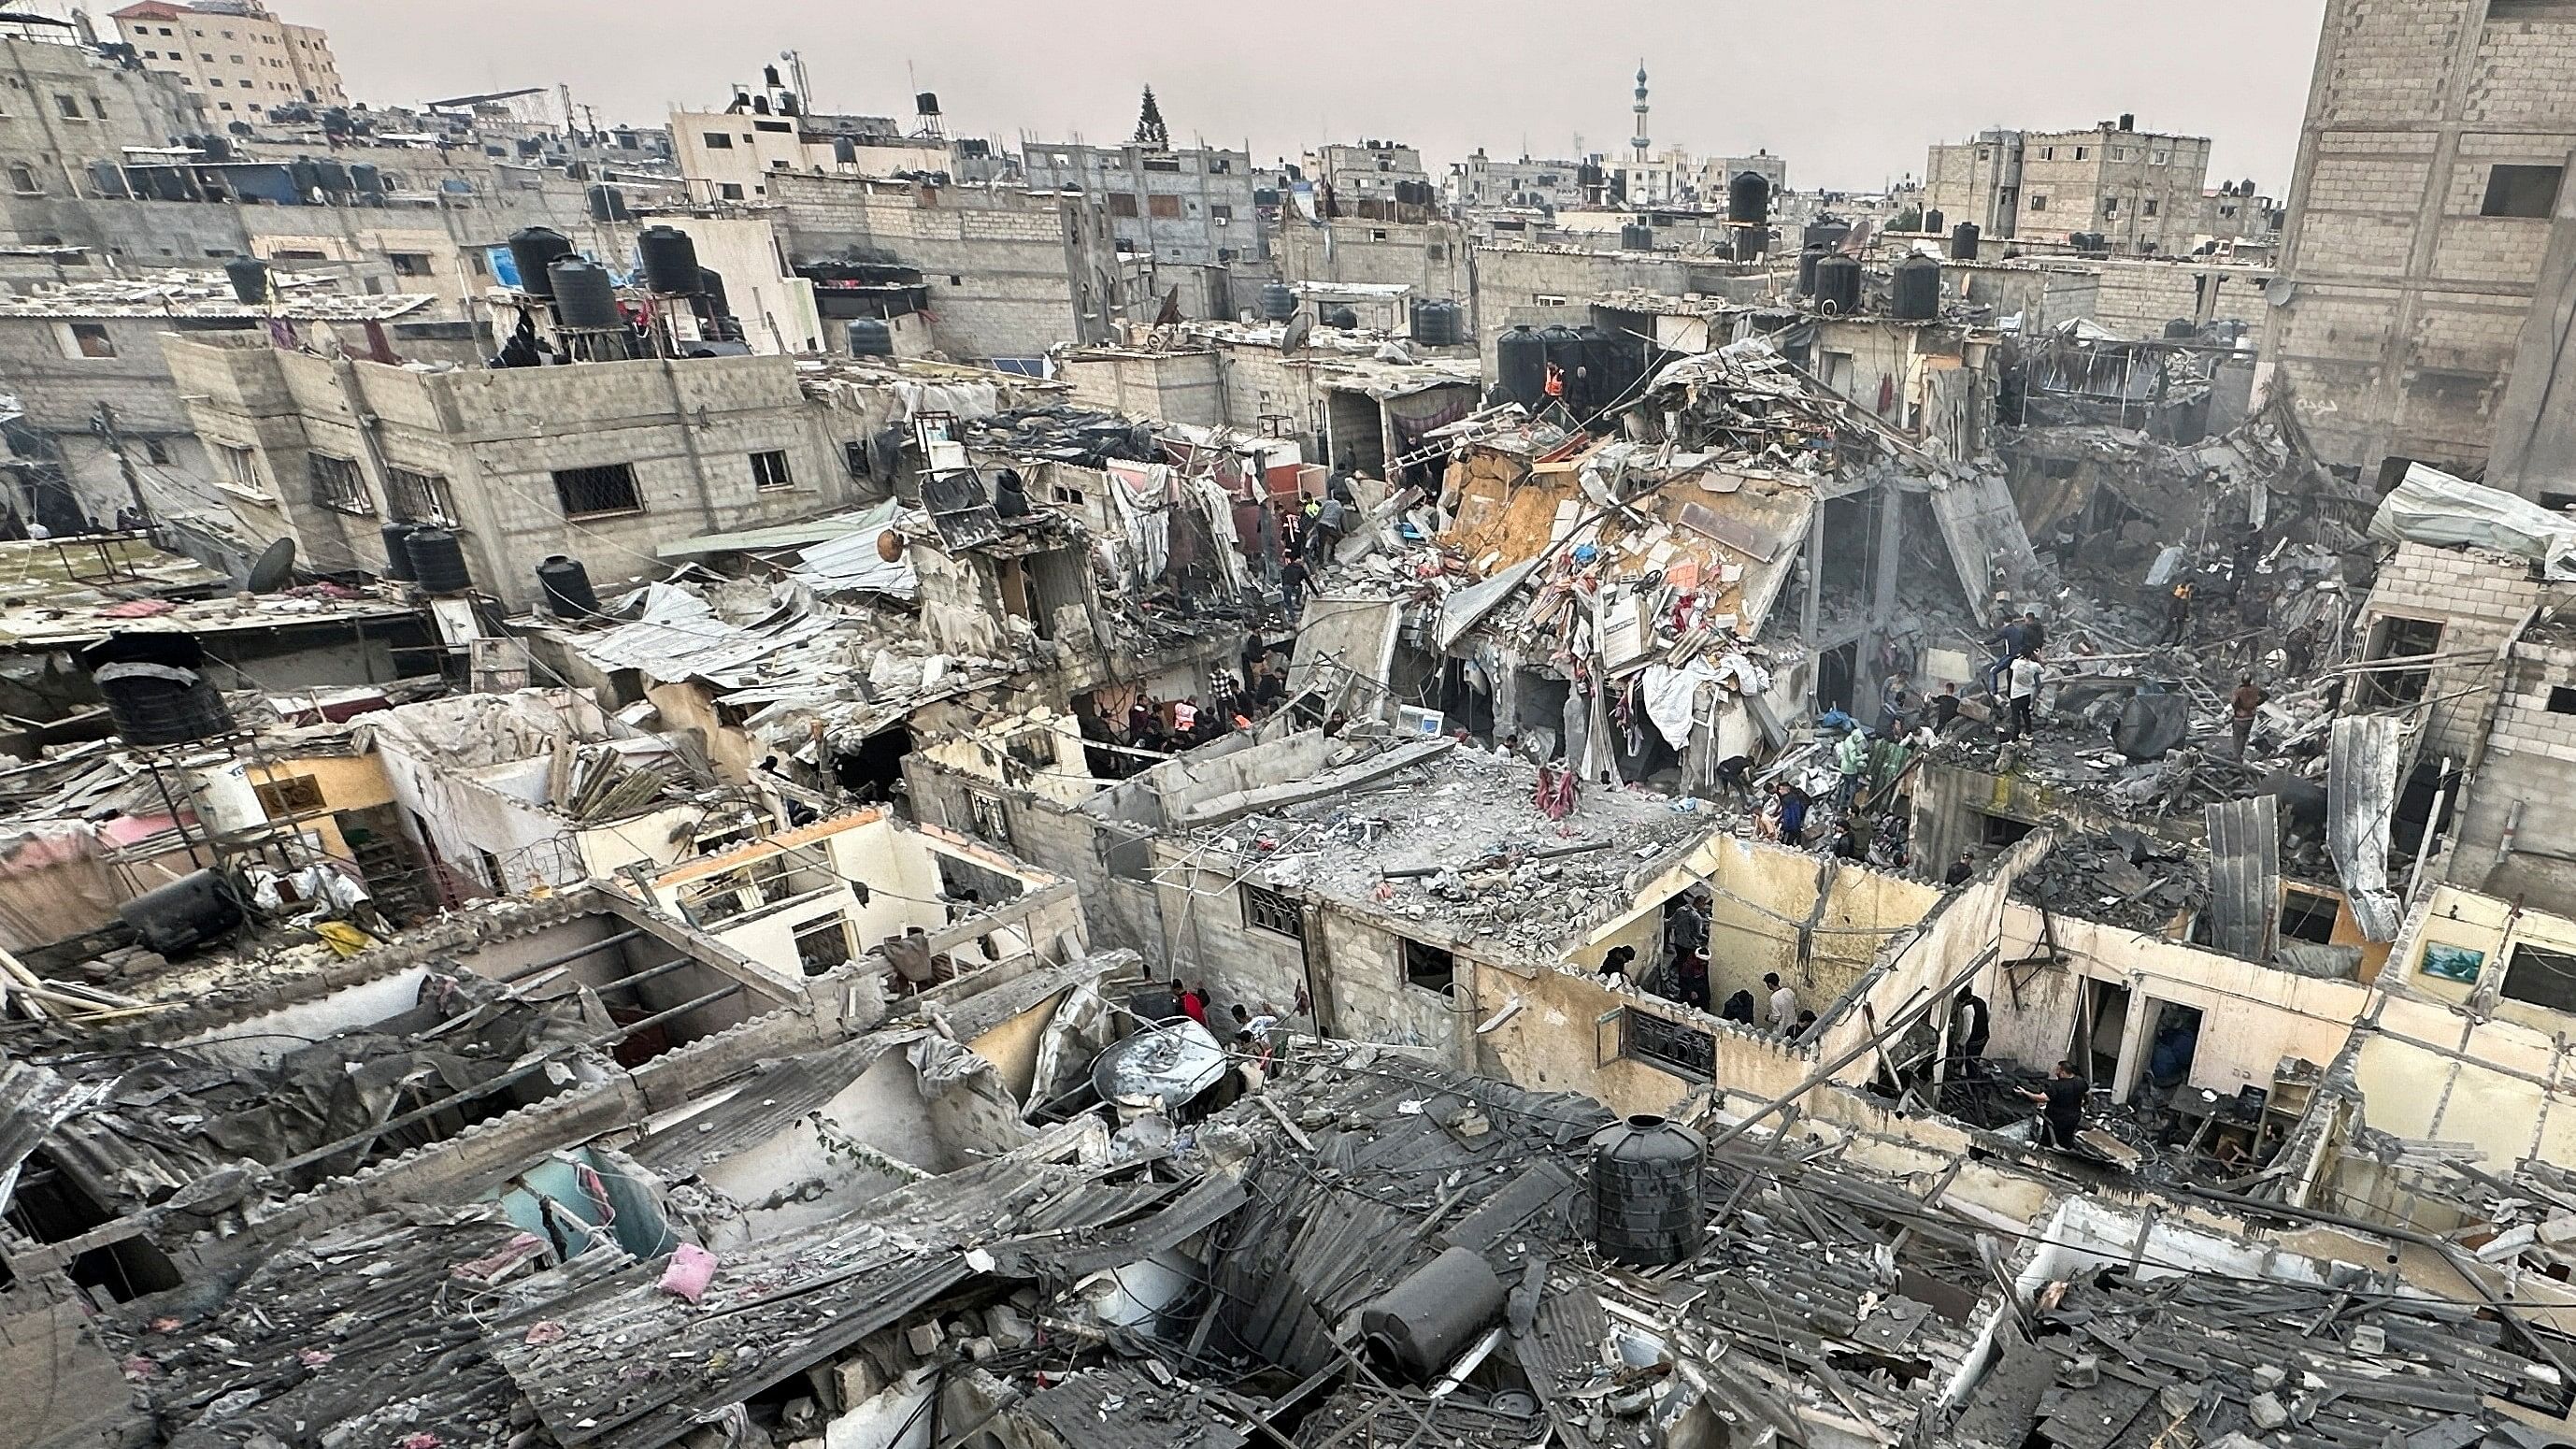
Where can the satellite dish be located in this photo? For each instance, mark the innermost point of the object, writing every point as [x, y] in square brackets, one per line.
[275, 568]
[1294, 339]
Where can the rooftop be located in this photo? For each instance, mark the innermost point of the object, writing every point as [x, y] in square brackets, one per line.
[207, 296]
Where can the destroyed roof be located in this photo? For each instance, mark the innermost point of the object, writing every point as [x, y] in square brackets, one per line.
[1800, 1302]
[77, 590]
[2353, 1363]
[1451, 846]
[208, 296]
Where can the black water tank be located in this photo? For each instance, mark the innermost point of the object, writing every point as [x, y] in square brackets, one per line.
[711, 287]
[397, 537]
[438, 561]
[1636, 237]
[1932, 222]
[249, 277]
[670, 260]
[585, 300]
[1963, 242]
[1278, 301]
[1748, 199]
[1646, 1208]
[1520, 365]
[367, 177]
[156, 688]
[608, 203]
[332, 176]
[1838, 285]
[1807, 259]
[1416, 1329]
[566, 585]
[1343, 318]
[1828, 233]
[532, 250]
[177, 918]
[1566, 353]
[2181, 329]
[1438, 324]
[845, 151]
[871, 337]
[305, 176]
[1914, 290]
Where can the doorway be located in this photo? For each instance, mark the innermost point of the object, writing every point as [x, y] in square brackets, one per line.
[2101, 1030]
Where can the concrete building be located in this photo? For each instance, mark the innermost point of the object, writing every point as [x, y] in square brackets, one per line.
[1485, 181]
[1716, 173]
[2140, 190]
[235, 55]
[1005, 271]
[1381, 180]
[77, 107]
[1429, 255]
[1191, 205]
[600, 461]
[101, 423]
[730, 155]
[2430, 159]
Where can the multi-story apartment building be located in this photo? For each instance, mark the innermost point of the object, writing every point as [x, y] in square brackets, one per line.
[234, 54]
[1191, 205]
[2430, 165]
[2138, 190]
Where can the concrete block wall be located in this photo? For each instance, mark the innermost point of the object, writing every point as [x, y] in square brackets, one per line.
[1011, 273]
[2399, 335]
[2528, 778]
[2479, 599]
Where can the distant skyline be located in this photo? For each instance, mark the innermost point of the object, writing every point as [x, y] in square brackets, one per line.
[1850, 92]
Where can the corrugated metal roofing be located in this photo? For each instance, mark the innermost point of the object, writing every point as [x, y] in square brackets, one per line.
[2245, 876]
[2361, 796]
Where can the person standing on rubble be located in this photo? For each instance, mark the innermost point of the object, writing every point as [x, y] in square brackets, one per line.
[2025, 693]
[2008, 644]
[2177, 613]
[2299, 649]
[1794, 804]
[1294, 586]
[2061, 1101]
[1851, 758]
[2242, 706]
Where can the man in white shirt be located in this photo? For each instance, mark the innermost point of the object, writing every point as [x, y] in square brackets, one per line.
[2025, 694]
[1784, 1004]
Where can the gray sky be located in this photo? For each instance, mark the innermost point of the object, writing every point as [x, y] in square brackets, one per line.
[1850, 91]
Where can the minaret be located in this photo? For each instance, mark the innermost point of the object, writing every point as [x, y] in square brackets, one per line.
[1638, 142]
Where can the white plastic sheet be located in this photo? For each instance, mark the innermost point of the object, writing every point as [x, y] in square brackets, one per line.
[2430, 506]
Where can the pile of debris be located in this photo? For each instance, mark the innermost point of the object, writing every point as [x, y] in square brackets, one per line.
[1461, 846]
[2119, 878]
[2351, 1363]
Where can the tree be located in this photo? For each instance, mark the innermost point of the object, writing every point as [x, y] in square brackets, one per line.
[1910, 219]
[1150, 130]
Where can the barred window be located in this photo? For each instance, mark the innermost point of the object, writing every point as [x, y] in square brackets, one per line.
[419, 497]
[609, 488]
[338, 484]
[1268, 910]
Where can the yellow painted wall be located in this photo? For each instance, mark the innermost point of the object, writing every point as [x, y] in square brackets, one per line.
[347, 782]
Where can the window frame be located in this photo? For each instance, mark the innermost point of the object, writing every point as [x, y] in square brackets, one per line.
[1429, 967]
[338, 484]
[772, 471]
[2512, 191]
[79, 337]
[2559, 965]
[619, 476]
[1273, 911]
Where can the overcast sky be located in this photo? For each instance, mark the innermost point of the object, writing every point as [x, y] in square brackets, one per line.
[1850, 91]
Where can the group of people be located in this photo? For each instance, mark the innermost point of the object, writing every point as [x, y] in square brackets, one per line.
[1308, 535]
[1152, 728]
